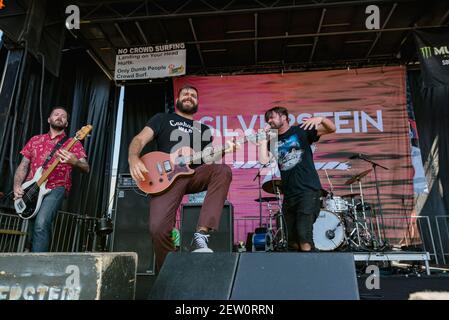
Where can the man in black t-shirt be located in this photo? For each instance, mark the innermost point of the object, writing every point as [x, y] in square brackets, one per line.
[300, 181]
[171, 132]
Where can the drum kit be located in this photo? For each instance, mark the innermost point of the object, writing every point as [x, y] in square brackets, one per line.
[342, 223]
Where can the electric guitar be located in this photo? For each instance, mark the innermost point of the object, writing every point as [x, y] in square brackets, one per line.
[164, 168]
[35, 190]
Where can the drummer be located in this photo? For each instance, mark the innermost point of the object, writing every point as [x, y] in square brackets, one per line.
[299, 177]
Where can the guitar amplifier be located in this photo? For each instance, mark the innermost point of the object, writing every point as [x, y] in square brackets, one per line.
[131, 231]
[125, 181]
[220, 240]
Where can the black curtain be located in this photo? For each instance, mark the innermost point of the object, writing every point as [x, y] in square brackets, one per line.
[431, 107]
[91, 98]
[141, 102]
[25, 116]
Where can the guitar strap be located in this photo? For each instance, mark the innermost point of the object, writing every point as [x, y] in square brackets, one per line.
[56, 147]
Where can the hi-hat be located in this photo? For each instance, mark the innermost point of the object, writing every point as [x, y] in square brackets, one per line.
[266, 199]
[357, 177]
[272, 186]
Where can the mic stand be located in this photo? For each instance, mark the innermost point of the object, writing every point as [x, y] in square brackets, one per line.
[375, 165]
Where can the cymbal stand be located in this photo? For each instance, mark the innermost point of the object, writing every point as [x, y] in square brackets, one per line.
[354, 212]
[281, 235]
[363, 207]
[379, 205]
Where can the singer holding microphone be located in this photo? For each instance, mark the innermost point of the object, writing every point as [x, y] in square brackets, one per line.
[300, 180]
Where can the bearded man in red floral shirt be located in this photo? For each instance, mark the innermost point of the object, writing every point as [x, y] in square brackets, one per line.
[35, 152]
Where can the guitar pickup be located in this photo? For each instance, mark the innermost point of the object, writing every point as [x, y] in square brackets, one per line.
[167, 166]
[159, 168]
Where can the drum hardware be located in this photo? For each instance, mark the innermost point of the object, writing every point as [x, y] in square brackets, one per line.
[342, 223]
[275, 239]
[351, 195]
[271, 186]
[336, 204]
[358, 178]
[374, 166]
[279, 234]
[359, 236]
[258, 175]
[324, 193]
[266, 199]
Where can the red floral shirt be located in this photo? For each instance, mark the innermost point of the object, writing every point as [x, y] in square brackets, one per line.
[39, 147]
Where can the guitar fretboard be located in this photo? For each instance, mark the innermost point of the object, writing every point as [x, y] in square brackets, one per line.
[54, 164]
[197, 156]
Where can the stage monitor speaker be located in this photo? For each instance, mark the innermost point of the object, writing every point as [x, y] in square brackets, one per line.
[68, 276]
[221, 240]
[195, 276]
[257, 276]
[295, 276]
[131, 231]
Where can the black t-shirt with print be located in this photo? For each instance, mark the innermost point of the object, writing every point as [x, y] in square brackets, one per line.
[295, 160]
[171, 132]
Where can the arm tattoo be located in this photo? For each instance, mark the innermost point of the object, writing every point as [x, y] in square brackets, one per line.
[83, 165]
[21, 172]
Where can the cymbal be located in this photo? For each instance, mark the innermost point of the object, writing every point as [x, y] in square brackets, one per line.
[272, 185]
[266, 199]
[324, 192]
[350, 195]
[357, 177]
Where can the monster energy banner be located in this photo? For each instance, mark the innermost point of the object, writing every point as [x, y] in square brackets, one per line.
[433, 51]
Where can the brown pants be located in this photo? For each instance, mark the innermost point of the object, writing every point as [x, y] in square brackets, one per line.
[215, 178]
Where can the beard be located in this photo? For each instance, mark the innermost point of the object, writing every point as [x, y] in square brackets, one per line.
[276, 125]
[57, 125]
[187, 110]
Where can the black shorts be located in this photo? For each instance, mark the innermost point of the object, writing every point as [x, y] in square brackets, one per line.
[300, 213]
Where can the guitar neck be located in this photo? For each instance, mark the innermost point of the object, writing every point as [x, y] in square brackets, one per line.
[50, 169]
[219, 150]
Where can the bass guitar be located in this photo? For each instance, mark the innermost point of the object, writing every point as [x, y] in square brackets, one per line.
[35, 190]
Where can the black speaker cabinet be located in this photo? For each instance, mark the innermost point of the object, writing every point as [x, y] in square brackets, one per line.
[220, 240]
[131, 231]
[257, 276]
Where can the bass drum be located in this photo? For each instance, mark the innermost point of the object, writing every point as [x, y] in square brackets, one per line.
[328, 231]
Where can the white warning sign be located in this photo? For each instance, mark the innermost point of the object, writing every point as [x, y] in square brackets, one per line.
[149, 62]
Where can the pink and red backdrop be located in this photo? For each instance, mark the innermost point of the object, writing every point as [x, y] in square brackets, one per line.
[368, 106]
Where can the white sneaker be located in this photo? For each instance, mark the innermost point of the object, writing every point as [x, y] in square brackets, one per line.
[199, 243]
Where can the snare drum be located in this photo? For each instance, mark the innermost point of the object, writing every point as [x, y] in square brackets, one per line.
[336, 204]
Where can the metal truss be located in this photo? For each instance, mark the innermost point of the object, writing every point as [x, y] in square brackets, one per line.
[105, 11]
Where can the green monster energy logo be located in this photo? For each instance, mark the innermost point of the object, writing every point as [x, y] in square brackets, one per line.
[426, 52]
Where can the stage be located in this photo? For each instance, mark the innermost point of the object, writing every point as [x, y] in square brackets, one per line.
[399, 275]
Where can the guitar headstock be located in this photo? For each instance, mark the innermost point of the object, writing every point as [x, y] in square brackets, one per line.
[83, 132]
